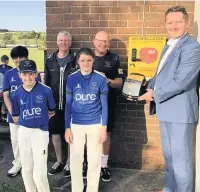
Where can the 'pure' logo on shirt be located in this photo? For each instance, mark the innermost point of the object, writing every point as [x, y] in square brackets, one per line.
[13, 88]
[30, 113]
[85, 97]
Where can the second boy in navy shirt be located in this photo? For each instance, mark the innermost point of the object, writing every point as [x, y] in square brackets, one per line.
[10, 84]
[32, 105]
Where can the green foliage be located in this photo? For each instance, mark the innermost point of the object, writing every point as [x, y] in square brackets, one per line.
[23, 38]
[8, 38]
[29, 35]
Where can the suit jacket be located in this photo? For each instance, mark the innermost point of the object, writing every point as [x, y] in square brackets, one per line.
[175, 95]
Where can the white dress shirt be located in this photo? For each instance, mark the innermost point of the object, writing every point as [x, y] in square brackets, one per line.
[171, 43]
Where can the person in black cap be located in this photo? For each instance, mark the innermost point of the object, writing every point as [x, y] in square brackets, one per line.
[32, 106]
[10, 84]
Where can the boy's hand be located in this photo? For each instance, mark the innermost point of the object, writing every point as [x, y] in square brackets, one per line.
[15, 119]
[68, 136]
[103, 135]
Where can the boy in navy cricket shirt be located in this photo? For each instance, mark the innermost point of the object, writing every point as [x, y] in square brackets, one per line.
[32, 106]
[86, 116]
[10, 84]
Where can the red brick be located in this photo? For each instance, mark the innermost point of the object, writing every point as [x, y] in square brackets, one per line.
[122, 44]
[109, 16]
[128, 16]
[171, 3]
[135, 23]
[89, 30]
[124, 59]
[99, 9]
[68, 17]
[90, 17]
[127, 3]
[119, 37]
[53, 31]
[147, 154]
[117, 23]
[152, 121]
[75, 49]
[90, 3]
[159, 8]
[80, 23]
[150, 15]
[51, 44]
[151, 2]
[107, 3]
[150, 31]
[191, 30]
[98, 23]
[79, 3]
[80, 9]
[62, 4]
[120, 9]
[136, 9]
[128, 31]
[73, 30]
[191, 15]
[155, 23]
[120, 51]
[108, 30]
[113, 44]
[147, 163]
[161, 30]
[50, 51]
[73, 3]
[51, 3]
[57, 10]
[50, 38]
[88, 44]
[54, 17]
[77, 44]
[91, 38]
[58, 24]
[80, 38]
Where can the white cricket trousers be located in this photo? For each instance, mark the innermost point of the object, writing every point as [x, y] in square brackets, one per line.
[33, 148]
[94, 150]
[14, 141]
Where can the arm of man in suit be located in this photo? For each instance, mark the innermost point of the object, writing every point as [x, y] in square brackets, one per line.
[151, 82]
[187, 71]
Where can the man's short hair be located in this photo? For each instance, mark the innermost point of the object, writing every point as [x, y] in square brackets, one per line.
[177, 9]
[19, 51]
[4, 58]
[66, 33]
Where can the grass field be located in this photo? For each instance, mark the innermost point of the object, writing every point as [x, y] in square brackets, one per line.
[34, 54]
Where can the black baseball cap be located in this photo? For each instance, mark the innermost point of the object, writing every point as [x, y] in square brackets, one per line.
[27, 66]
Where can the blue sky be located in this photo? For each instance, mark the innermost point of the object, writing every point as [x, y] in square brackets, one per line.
[23, 15]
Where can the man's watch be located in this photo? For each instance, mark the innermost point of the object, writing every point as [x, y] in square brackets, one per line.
[109, 82]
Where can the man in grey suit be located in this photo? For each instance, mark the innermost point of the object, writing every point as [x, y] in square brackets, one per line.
[173, 88]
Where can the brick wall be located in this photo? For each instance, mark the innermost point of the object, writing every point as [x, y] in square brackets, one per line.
[135, 139]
